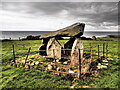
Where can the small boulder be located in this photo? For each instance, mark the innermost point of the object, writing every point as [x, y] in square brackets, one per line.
[101, 66]
[36, 63]
[57, 60]
[58, 69]
[105, 61]
[70, 71]
[110, 59]
[50, 67]
[32, 64]
[65, 62]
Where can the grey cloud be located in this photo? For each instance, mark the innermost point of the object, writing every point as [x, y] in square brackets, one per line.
[55, 7]
[94, 12]
[103, 12]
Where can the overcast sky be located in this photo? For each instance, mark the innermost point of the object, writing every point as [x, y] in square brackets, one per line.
[49, 16]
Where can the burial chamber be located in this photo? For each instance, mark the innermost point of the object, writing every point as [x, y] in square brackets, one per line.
[50, 42]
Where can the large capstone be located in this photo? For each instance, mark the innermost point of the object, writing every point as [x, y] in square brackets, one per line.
[75, 30]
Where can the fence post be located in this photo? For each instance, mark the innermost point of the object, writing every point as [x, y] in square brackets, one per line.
[79, 64]
[90, 54]
[27, 54]
[98, 52]
[19, 38]
[13, 53]
[103, 50]
[106, 50]
[90, 44]
[54, 58]
[53, 53]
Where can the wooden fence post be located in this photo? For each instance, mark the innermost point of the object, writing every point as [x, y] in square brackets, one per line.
[90, 54]
[13, 53]
[90, 44]
[103, 50]
[106, 50]
[54, 58]
[79, 64]
[27, 55]
[98, 52]
[54, 55]
[19, 38]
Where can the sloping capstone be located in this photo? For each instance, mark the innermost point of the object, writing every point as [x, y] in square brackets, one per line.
[75, 30]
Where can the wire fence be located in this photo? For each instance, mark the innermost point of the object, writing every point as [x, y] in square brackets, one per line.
[91, 54]
[21, 51]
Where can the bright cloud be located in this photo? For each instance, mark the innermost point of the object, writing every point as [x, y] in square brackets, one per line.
[52, 16]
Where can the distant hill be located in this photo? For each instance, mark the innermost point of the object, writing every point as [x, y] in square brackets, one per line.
[30, 37]
[113, 36]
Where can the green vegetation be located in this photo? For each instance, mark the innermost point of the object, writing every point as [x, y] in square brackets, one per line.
[20, 78]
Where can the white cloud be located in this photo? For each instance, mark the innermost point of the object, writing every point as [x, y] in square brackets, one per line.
[60, 0]
[25, 22]
[18, 21]
[38, 17]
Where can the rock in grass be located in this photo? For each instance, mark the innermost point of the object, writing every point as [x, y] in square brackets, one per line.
[50, 67]
[32, 64]
[65, 62]
[85, 86]
[110, 59]
[57, 60]
[105, 61]
[101, 66]
[36, 63]
[58, 69]
[70, 71]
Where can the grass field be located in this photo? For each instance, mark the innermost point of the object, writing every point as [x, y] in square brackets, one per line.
[21, 78]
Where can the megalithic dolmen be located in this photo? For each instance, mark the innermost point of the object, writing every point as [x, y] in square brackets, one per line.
[74, 31]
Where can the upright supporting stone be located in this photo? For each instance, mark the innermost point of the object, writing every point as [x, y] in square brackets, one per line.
[75, 53]
[68, 45]
[42, 49]
[54, 44]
